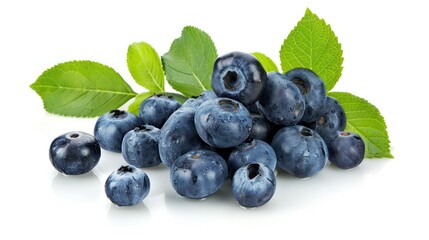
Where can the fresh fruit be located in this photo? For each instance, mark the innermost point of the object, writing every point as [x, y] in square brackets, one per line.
[223, 122]
[239, 76]
[313, 90]
[332, 120]
[195, 102]
[300, 151]
[178, 136]
[281, 102]
[155, 110]
[140, 146]
[74, 153]
[252, 151]
[346, 150]
[262, 129]
[198, 174]
[111, 128]
[127, 186]
[253, 185]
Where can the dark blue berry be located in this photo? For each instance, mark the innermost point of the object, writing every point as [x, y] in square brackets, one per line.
[346, 150]
[140, 146]
[111, 128]
[262, 129]
[74, 153]
[155, 110]
[239, 76]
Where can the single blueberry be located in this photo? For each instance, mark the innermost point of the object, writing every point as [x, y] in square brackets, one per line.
[262, 129]
[300, 151]
[346, 150]
[312, 88]
[140, 146]
[111, 128]
[223, 122]
[179, 136]
[127, 186]
[239, 76]
[332, 120]
[155, 110]
[253, 185]
[281, 102]
[252, 151]
[74, 153]
[195, 102]
[198, 174]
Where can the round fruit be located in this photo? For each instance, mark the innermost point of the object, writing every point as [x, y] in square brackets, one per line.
[155, 110]
[346, 150]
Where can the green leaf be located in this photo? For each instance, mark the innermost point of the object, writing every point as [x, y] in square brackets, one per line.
[365, 119]
[312, 44]
[189, 63]
[145, 66]
[82, 89]
[135, 105]
[266, 62]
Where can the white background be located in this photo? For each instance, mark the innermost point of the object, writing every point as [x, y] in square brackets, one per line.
[385, 48]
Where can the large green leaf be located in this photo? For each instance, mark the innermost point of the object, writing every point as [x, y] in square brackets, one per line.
[366, 120]
[266, 62]
[312, 44]
[145, 66]
[189, 63]
[82, 89]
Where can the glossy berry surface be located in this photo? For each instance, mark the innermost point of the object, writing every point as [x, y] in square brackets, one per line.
[140, 146]
[155, 110]
[127, 186]
[281, 102]
[313, 90]
[253, 185]
[300, 151]
[198, 174]
[195, 102]
[111, 128]
[74, 153]
[179, 136]
[239, 76]
[223, 122]
[346, 150]
[262, 129]
[332, 120]
[252, 151]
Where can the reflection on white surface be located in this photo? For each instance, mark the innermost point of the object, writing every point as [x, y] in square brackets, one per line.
[128, 215]
[80, 188]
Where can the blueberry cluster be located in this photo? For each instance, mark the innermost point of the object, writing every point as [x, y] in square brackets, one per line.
[250, 124]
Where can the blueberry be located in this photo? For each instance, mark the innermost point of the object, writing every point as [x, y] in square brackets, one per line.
[239, 76]
[127, 186]
[198, 174]
[253, 108]
[300, 151]
[281, 102]
[140, 146]
[346, 150]
[262, 129]
[223, 122]
[195, 102]
[74, 153]
[111, 128]
[253, 185]
[155, 110]
[252, 151]
[312, 88]
[178, 136]
[332, 120]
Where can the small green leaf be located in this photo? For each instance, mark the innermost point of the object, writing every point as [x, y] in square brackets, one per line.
[82, 89]
[135, 105]
[312, 44]
[266, 62]
[365, 119]
[145, 66]
[189, 63]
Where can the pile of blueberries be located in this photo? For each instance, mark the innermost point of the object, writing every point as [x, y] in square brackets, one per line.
[251, 123]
